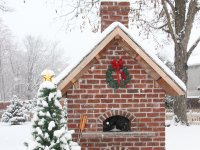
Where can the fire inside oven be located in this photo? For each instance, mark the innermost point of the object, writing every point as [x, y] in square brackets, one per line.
[116, 124]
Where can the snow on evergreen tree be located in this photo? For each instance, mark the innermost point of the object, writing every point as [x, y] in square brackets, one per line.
[169, 102]
[49, 124]
[14, 113]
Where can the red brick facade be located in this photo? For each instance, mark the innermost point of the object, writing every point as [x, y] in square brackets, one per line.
[114, 11]
[141, 101]
[3, 105]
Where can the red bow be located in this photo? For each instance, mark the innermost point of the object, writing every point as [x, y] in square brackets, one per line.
[117, 65]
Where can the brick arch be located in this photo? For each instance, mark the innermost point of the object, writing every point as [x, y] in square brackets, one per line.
[115, 112]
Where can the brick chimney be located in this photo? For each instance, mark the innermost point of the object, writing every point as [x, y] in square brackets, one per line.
[114, 10]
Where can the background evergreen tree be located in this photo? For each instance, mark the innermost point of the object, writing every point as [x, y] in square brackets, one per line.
[49, 125]
[14, 113]
[169, 102]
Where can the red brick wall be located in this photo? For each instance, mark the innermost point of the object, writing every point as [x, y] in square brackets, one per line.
[114, 11]
[141, 99]
[3, 105]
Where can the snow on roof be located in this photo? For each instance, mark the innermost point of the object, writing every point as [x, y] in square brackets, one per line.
[106, 32]
[84, 52]
[193, 93]
[194, 60]
[192, 97]
[155, 59]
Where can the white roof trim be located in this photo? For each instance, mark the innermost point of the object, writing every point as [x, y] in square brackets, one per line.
[76, 62]
[107, 31]
[155, 59]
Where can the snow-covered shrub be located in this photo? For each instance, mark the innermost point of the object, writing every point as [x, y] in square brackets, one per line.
[29, 106]
[174, 122]
[169, 102]
[14, 113]
[49, 124]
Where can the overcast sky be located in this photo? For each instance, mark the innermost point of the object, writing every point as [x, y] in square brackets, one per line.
[38, 18]
[35, 17]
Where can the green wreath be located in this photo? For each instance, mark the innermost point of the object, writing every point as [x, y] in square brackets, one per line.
[114, 83]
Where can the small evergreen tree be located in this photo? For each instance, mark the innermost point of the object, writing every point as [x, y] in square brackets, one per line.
[14, 113]
[169, 102]
[49, 124]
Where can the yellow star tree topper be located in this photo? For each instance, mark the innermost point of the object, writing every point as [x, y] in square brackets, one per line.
[47, 75]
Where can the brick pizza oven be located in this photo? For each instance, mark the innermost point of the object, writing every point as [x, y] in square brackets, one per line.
[128, 116]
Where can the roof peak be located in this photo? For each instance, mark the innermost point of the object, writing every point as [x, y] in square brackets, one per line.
[163, 75]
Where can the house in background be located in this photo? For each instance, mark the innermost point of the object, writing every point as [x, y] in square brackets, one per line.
[193, 84]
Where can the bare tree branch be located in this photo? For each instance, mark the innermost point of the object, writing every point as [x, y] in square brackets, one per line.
[75, 8]
[4, 7]
[193, 47]
[160, 27]
[169, 22]
[171, 5]
[167, 31]
[11, 63]
[192, 11]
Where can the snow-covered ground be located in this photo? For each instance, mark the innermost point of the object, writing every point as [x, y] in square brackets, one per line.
[177, 138]
[13, 137]
[183, 138]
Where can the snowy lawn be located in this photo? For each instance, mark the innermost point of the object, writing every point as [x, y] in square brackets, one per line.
[13, 137]
[177, 138]
[183, 138]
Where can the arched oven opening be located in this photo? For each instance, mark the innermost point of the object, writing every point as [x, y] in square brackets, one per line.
[116, 124]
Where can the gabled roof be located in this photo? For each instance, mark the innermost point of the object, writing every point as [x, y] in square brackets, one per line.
[148, 61]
